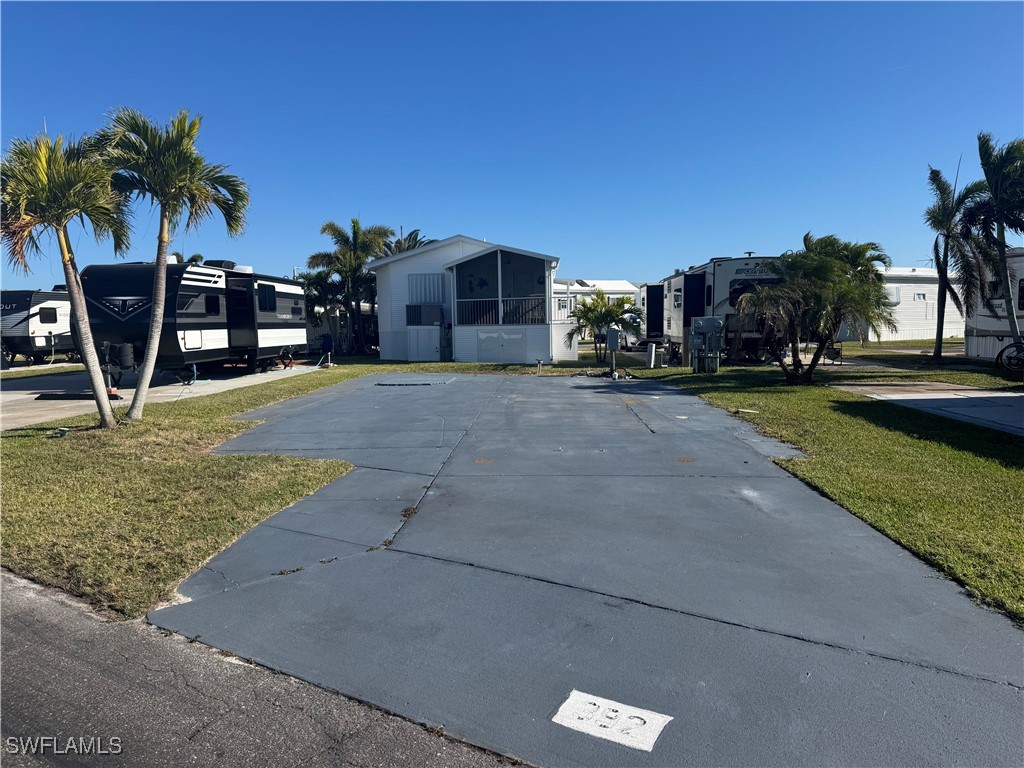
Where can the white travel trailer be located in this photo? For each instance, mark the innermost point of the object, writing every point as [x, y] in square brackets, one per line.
[36, 324]
[988, 331]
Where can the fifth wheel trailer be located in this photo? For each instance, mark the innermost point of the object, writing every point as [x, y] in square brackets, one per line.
[214, 312]
[36, 324]
[712, 289]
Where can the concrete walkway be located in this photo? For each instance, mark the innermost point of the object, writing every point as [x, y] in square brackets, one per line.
[984, 407]
[581, 572]
[38, 399]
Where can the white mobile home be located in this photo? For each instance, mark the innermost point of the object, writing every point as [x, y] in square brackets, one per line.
[913, 297]
[989, 330]
[468, 300]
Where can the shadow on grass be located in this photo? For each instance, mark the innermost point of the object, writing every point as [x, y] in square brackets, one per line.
[1001, 447]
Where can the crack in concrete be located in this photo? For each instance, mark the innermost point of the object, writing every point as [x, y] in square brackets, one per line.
[718, 620]
[631, 409]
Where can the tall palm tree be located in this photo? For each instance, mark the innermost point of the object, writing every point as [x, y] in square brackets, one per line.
[45, 184]
[951, 249]
[596, 315]
[352, 249]
[1001, 208]
[161, 164]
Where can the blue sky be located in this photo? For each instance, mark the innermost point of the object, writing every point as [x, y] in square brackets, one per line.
[626, 139]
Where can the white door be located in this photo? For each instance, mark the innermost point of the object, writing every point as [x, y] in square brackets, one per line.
[424, 342]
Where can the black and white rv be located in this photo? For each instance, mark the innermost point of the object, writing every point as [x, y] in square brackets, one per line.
[36, 324]
[215, 312]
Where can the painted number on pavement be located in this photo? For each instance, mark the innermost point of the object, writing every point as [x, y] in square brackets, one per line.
[607, 719]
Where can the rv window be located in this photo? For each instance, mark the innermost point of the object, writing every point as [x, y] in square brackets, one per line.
[267, 298]
[296, 311]
[47, 315]
[1020, 294]
[708, 297]
[212, 304]
[919, 297]
[677, 300]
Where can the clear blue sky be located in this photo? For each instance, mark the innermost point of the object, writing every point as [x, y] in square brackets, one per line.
[626, 139]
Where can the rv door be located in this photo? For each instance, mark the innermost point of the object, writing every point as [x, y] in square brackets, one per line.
[241, 314]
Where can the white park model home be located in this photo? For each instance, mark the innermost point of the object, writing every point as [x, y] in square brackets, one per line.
[472, 301]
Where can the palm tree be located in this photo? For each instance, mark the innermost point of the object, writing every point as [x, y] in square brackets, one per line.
[162, 164]
[406, 242]
[351, 252]
[1000, 208]
[597, 315]
[951, 249]
[45, 184]
[827, 284]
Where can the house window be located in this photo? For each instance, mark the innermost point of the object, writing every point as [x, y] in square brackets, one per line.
[563, 305]
[48, 315]
[919, 297]
[267, 298]
[212, 304]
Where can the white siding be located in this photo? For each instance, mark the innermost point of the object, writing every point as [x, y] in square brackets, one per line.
[464, 343]
[393, 293]
[558, 349]
[538, 343]
[467, 343]
[916, 317]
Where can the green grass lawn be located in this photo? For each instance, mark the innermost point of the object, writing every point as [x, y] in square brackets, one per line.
[121, 517]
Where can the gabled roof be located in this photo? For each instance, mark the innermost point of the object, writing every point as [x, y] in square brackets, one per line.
[488, 247]
[373, 265]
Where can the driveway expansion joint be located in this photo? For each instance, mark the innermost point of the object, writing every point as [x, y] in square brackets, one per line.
[717, 620]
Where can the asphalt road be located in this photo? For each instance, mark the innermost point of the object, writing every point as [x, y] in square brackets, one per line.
[595, 573]
[159, 700]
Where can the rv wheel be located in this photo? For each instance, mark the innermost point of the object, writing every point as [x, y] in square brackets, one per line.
[38, 359]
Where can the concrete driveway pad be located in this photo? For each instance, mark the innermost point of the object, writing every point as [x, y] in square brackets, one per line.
[577, 534]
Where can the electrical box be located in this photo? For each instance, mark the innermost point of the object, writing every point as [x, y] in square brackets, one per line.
[706, 341]
[613, 338]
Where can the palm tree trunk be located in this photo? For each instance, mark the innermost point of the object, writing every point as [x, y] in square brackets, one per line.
[940, 321]
[1008, 294]
[80, 316]
[156, 322]
[360, 338]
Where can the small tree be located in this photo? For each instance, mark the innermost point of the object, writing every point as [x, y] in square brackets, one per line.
[597, 315]
[822, 287]
[45, 184]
